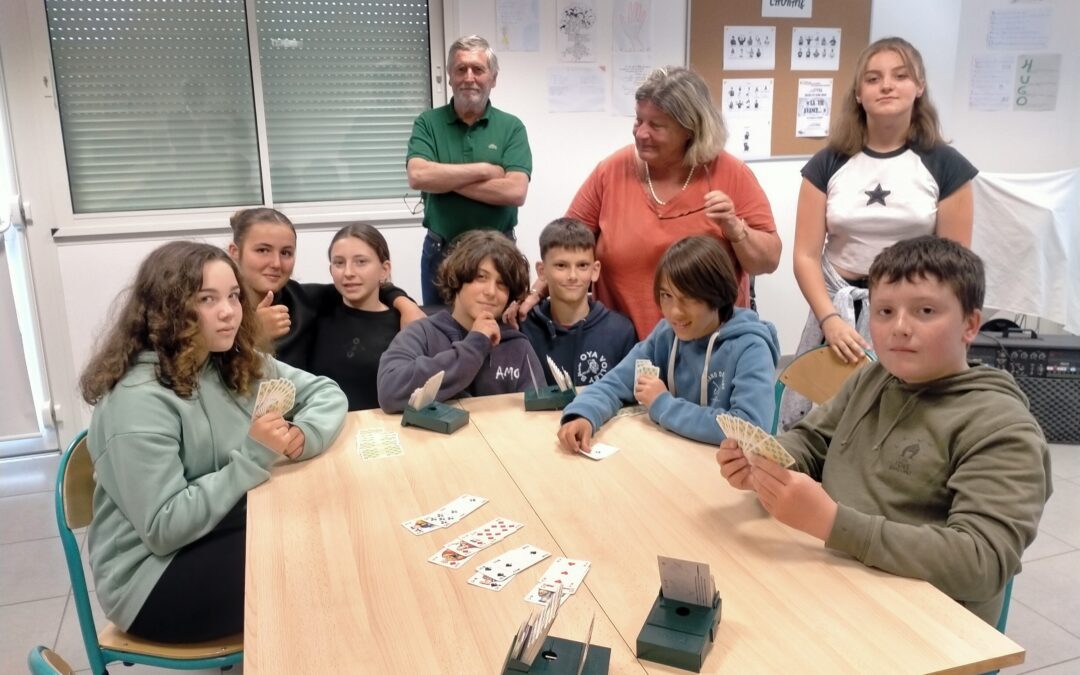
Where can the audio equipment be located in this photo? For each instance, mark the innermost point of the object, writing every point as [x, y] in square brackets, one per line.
[1047, 369]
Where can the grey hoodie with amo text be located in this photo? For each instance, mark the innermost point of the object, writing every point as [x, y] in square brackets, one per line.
[943, 481]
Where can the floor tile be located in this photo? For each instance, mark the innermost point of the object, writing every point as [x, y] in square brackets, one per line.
[1044, 546]
[32, 570]
[1048, 587]
[24, 625]
[1065, 460]
[28, 516]
[1066, 668]
[1045, 642]
[24, 475]
[1060, 515]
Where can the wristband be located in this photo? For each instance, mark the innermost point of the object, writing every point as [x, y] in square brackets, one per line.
[822, 320]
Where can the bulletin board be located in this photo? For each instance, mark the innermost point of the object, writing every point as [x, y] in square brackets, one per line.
[708, 19]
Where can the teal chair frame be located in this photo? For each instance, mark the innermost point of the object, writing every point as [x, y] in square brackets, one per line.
[98, 655]
[44, 661]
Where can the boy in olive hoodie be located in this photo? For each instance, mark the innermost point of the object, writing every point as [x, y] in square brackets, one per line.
[928, 467]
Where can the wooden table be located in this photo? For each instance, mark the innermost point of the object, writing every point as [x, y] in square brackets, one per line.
[335, 584]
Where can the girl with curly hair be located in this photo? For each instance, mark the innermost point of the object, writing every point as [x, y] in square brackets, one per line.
[175, 448]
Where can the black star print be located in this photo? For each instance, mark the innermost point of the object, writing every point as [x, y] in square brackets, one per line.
[877, 195]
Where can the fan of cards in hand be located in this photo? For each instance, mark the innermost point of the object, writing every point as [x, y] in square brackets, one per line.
[755, 440]
[423, 397]
[275, 396]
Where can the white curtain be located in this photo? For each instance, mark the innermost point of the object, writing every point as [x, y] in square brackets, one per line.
[1027, 231]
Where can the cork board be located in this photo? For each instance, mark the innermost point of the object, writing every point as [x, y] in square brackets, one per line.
[707, 21]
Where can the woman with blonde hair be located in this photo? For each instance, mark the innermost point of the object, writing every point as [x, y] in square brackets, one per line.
[886, 175]
[176, 447]
[673, 182]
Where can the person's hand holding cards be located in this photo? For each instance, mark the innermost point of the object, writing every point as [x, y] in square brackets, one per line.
[269, 427]
[793, 498]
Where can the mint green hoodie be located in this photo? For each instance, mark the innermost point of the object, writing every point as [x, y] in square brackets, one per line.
[943, 481]
[168, 469]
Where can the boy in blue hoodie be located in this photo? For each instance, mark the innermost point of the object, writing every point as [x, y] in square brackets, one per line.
[713, 358]
[481, 274]
[580, 334]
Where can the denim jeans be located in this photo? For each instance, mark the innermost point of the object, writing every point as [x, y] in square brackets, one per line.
[432, 255]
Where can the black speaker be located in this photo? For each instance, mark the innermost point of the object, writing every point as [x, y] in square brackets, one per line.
[1047, 369]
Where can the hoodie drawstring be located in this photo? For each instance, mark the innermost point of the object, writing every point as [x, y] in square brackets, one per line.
[704, 371]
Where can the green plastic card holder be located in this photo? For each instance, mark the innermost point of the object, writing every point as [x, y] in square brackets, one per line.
[436, 417]
[678, 634]
[548, 398]
[562, 657]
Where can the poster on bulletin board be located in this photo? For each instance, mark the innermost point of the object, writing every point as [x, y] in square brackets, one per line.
[805, 49]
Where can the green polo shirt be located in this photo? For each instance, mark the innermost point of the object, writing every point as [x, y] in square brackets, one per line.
[438, 135]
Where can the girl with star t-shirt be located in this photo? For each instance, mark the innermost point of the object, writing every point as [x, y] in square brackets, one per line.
[885, 176]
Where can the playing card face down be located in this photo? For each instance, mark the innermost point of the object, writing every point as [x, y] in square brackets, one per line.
[754, 440]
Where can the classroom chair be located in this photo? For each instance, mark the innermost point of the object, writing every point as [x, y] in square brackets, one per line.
[818, 375]
[44, 661]
[74, 494]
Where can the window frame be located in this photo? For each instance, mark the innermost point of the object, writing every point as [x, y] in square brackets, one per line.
[384, 212]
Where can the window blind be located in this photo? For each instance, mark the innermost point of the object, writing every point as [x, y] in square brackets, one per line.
[342, 83]
[156, 103]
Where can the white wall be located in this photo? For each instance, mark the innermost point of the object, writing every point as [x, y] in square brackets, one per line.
[1019, 142]
[565, 148]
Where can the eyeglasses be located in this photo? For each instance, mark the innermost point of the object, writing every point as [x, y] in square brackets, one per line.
[413, 208]
[675, 216]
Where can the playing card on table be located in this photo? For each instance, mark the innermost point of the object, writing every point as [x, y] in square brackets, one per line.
[492, 532]
[377, 443]
[457, 509]
[484, 581]
[276, 395]
[455, 554]
[541, 593]
[421, 525]
[631, 410]
[507, 564]
[599, 451]
[754, 440]
[567, 571]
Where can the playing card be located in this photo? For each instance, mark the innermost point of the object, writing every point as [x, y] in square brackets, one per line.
[599, 451]
[276, 395]
[568, 571]
[644, 367]
[484, 581]
[458, 509]
[557, 373]
[431, 389]
[454, 555]
[754, 440]
[377, 443]
[542, 592]
[506, 565]
[421, 525]
[492, 532]
[686, 581]
[631, 410]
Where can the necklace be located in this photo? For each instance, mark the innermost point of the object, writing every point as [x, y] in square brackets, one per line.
[648, 180]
